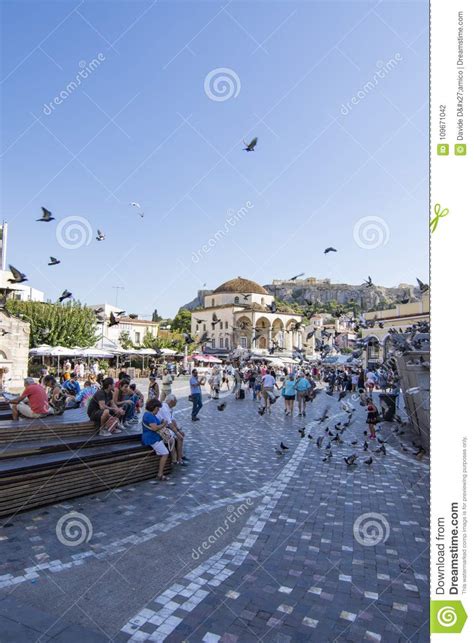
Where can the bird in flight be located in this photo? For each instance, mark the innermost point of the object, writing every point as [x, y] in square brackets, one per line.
[136, 205]
[100, 236]
[47, 216]
[133, 316]
[246, 297]
[330, 249]
[296, 277]
[272, 307]
[53, 261]
[369, 282]
[215, 320]
[18, 277]
[423, 287]
[65, 295]
[113, 321]
[250, 147]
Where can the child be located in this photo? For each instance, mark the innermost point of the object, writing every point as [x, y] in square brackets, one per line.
[372, 417]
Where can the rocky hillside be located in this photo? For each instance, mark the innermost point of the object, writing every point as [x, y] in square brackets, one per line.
[323, 292]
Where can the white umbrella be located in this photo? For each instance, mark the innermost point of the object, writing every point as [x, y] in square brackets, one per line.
[166, 351]
[44, 349]
[95, 352]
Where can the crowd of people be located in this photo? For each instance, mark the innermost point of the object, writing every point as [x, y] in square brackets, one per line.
[118, 405]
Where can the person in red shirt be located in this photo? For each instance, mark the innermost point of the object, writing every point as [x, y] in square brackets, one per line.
[32, 403]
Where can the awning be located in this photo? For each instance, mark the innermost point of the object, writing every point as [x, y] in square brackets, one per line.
[200, 357]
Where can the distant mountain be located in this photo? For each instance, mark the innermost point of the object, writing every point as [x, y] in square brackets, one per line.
[198, 301]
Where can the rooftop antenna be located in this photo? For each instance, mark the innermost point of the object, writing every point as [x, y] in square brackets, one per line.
[117, 288]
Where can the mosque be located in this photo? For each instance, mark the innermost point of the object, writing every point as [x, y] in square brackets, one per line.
[238, 314]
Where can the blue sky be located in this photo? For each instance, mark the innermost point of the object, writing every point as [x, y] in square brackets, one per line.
[141, 127]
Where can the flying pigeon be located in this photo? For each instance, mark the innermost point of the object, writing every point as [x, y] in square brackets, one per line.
[296, 277]
[65, 295]
[133, 316]
[246, 297]
[18, 277]
[204, 338]
[47, 216]
[187, 338]
[330, 249]
[215, 320]
[53, 261]
[113, 321]
[100, 236]
[134, 204]
[423, 287]
[369, 282]
[4, 332]
[250, 147]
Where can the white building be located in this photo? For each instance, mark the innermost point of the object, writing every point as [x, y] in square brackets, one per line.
[136, 329]
[237, 314]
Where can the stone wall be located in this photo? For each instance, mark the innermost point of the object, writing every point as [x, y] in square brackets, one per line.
[413, 374]
[14, 346]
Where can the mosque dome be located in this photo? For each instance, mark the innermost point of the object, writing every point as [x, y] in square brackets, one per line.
[241, 286]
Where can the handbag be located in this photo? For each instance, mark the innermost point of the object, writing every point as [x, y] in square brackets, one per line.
[165, 434]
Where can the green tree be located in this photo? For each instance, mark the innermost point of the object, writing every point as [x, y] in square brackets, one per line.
[67, 325]
[182, 321]
[124, 340]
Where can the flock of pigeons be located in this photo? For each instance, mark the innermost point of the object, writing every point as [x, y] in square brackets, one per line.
[331, 439]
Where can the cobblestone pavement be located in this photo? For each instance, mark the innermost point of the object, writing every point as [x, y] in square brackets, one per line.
[242, 545]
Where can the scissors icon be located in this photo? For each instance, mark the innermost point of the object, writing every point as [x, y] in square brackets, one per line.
[439, 214]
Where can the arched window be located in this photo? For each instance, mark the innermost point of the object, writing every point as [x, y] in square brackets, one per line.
[262, 301]
[236, 300]
[213, 302]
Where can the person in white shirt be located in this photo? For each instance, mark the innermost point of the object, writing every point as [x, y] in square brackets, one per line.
[165, 414]
[269, 383]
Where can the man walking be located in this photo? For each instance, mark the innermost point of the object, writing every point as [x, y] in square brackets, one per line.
[196, 395]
